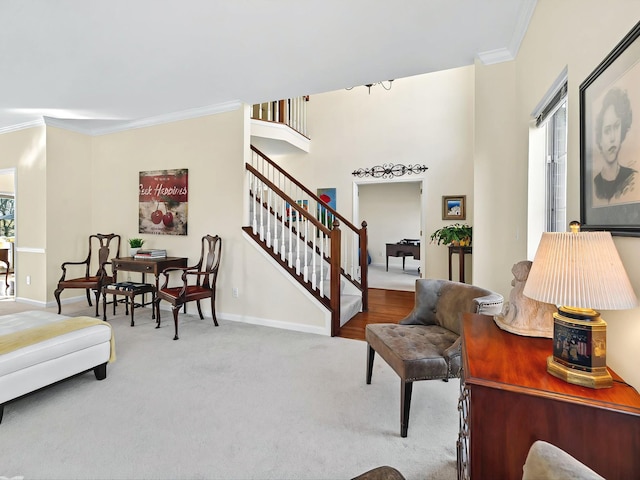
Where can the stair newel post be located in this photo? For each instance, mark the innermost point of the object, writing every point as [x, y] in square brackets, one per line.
[364, 267]
[335, 277]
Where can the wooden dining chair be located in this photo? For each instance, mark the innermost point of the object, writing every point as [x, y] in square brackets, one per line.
[198, 282]
[102, 247]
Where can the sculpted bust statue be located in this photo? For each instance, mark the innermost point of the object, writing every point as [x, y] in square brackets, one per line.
[523, 315]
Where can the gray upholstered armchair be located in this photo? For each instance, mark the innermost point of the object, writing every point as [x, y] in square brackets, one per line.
[426, 344]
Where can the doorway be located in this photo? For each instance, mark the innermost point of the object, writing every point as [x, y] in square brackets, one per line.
[393, 211]
[7, 234]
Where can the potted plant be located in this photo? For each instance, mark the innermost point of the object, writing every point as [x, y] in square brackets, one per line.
[134, 245]
[456, 234]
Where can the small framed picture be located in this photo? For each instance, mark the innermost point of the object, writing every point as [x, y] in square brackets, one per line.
[454, 208]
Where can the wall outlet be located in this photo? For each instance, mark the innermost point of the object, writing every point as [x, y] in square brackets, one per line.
[234, 292]
[28, 279]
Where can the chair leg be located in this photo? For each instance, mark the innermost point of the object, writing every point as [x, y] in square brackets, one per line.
[199, 310]
[57, 295]
[213, 310]
[405, 400]
[133, 307]
[97, 298]
[88, 291]
[176, 310]
[371, 353]
[156, 307]
[104, 307]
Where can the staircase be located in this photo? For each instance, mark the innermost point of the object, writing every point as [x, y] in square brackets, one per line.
[310, 241]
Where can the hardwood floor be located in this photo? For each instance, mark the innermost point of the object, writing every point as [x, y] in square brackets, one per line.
[385, 306]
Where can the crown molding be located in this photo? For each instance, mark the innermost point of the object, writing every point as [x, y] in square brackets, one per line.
[65, 125]
[170, 117]
[526, 12]
[22, 126]
[500, 55]
[84, 126]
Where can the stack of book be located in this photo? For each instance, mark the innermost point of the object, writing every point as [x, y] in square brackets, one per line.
[151, 253]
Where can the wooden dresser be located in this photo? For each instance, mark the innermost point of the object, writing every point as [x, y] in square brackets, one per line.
[508, 401]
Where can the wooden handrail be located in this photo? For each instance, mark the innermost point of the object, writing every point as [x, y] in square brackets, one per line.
[344, 221]
[288, 199]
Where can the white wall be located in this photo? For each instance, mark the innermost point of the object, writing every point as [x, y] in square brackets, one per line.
[425, 119]
[578, 34]
[213, 148]
[25, 150]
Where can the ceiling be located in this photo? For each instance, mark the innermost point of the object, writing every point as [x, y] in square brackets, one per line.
[99, 65]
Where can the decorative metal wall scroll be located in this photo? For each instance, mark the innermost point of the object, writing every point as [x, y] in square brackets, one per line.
[389, 170]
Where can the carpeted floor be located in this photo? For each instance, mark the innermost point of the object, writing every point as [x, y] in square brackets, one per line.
[234, 402]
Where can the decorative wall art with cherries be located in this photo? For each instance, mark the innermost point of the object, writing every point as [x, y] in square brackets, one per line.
[163, 199]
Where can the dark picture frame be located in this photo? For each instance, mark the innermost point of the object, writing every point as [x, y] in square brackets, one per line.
[454, 207]
[610, 141]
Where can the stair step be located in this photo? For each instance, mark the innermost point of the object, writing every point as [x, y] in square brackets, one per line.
[350, 305]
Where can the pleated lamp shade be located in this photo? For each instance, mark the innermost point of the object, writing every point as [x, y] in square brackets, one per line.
[582, 270]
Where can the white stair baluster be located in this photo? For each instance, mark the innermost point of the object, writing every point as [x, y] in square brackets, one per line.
[276, 245]
[322, 264]
[269, 219]
[298, 243]
[313, 259]
[290, 219]
[305, 271]
[284, 216]
[261, 187]
[254, 209]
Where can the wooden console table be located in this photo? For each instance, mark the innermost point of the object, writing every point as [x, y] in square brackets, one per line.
[508, 401]
[461, 251]
[403, 250]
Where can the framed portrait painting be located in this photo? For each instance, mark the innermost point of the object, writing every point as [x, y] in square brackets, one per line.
[610, 141]
[454, 208]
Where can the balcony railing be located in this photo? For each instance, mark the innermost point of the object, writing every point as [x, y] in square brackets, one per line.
[291, 112]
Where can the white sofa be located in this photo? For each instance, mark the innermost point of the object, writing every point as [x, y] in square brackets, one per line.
[25, 368]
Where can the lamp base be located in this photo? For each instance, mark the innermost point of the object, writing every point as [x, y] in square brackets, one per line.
[595, 379]
[579, 348]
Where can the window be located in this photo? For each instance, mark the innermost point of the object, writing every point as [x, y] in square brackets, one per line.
[552, 117]
[547, 170]
[7, 224]
[556, 170]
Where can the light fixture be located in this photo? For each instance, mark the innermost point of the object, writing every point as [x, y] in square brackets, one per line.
[369, 85]
[579, 271]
